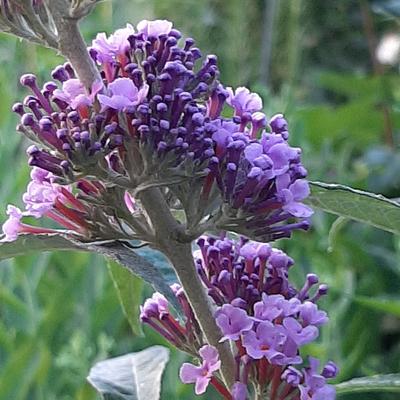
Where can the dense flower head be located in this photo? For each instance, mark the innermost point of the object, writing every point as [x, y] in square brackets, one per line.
[155, 119]
[265, 317]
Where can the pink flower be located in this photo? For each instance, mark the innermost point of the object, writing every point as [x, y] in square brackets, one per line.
[117, 44]
[154, 28]
[40, 193]
[124, 94]
[12, 226]
[75, 94]
[201, 375]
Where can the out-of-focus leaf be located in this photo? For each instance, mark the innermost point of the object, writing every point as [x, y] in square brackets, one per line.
[129, 288]
[387, 7]
[134, 376]
[376, 383]
[117, 251]
[387, 305]
[334, 231]
[369, 208]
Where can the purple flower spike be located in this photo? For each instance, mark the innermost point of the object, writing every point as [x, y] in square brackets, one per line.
[233, 321]
[201, 375]
[154, 28]
[12, 226]
[124, 94]
[239, 391]
[243, 101]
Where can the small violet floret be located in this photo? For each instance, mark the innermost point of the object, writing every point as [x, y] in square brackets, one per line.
[233, 321]
[243, 101]
[201, 375]
[123, 94]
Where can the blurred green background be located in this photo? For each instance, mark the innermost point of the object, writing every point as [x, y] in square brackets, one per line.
[311, 59]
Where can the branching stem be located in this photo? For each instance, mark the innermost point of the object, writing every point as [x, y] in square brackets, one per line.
[166, 227]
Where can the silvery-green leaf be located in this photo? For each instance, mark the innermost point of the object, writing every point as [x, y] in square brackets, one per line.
[369, 208]
[376, 383]
[115, 250]
[134, 376]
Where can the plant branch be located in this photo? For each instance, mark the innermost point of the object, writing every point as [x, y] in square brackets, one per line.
[166, 227]
[168, 230]
[71, 43]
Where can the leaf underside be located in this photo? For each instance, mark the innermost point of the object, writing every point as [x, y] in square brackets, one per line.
[369, 208]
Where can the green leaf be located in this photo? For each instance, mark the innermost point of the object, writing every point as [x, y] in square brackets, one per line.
[376, 383]
[26, 244]
[134, 376]
[369, 208]
[386, 305]
[118, 251]
[129, 288]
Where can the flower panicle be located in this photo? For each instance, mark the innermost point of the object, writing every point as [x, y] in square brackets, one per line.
[264, 317]
[156, 119]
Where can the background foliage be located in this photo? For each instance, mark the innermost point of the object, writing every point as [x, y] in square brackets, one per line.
[59, 313]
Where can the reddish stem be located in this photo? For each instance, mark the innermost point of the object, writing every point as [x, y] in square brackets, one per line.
[263, 367]
[62, 221]
[72, 199]
[221, 389]
[276, 381]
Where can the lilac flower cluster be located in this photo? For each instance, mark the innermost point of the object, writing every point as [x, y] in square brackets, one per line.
[265, 318]
[154, 119]
[159, 117]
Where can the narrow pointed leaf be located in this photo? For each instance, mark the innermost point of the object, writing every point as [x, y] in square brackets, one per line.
[369, 208]
[26, 244]
[129, 288]
[387, 305]
[376, 383]
[117, 251]
[134, 376]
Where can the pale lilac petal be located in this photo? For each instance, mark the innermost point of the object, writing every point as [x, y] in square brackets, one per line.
[209, 354]
[189, 373]
[115, 102]
[124, 87]
[253, 151]
[298, 210]
[300, 189]
[73, 87]
[201, 385]
[154, 28]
